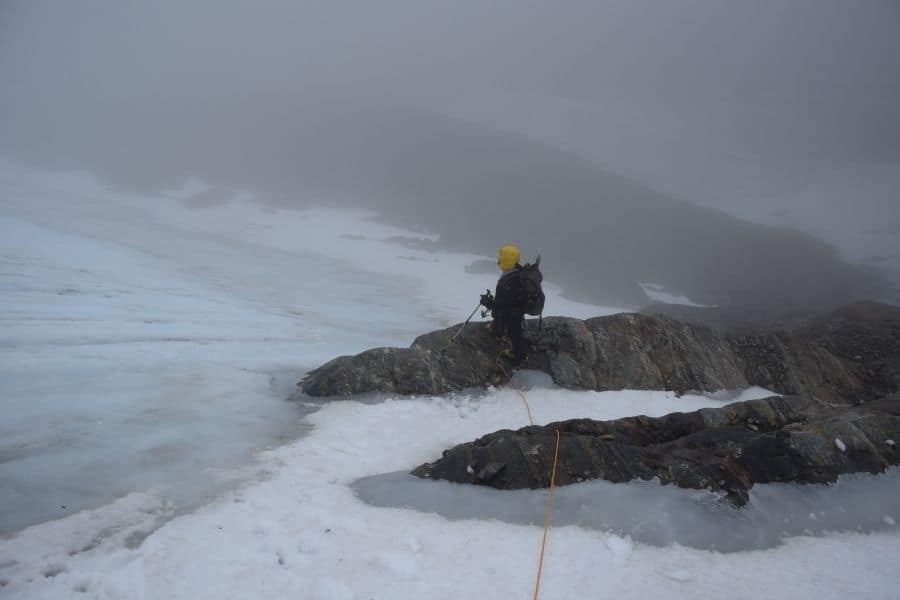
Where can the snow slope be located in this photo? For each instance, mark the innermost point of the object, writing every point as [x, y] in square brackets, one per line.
[301, 532]
[150, 342]
[146, 349]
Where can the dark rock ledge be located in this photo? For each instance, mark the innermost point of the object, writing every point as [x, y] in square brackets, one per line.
[838, 411]
[850, 356]
[722, 449]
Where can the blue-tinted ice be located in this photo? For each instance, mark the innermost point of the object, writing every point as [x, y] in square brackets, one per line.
[661, 515]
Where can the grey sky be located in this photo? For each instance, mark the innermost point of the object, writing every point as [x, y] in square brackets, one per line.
[784, 113]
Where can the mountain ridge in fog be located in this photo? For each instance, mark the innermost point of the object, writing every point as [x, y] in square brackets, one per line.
[601, 234]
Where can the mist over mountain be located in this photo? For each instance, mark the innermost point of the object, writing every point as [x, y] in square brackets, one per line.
[600, 234]
[618, 140]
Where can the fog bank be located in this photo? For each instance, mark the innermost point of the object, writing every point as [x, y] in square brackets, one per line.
[618, 139]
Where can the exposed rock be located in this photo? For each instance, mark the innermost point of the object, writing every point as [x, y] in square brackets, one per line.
[723, 449]
[840, 413]
[849, 356]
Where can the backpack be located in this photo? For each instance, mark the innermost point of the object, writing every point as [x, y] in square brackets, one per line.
[530, 276]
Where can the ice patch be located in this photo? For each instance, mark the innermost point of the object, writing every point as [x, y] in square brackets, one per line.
[659, 293]
[679, 575]
[650, 513]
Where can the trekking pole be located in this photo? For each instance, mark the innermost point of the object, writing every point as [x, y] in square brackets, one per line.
[453, 339]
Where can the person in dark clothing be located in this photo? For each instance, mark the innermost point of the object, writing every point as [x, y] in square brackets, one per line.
[508, 306]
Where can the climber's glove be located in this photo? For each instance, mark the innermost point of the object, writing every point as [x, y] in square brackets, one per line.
[487, 300]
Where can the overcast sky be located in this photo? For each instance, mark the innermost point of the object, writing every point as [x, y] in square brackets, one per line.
[779, 112]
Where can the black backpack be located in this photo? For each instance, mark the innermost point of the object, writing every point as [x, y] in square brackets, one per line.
[531, 278]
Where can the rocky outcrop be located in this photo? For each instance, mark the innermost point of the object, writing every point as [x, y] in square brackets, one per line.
[725, 449]
[839, 410]
[849, 356]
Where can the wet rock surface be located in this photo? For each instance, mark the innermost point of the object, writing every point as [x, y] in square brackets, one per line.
[728, 449]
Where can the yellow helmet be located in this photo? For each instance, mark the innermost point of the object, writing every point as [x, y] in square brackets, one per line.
[508, 258]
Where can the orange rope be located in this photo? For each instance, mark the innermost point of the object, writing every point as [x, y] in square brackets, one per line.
[521, 393]
[547, 512]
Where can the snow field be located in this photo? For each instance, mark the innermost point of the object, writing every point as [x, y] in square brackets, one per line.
[147, 346]
[303, 533]
[148, 343]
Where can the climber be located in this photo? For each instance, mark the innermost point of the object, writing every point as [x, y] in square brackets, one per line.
[518, 293]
